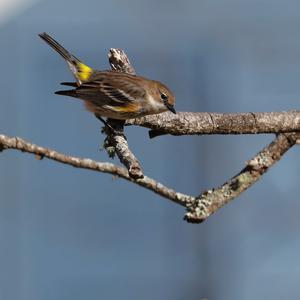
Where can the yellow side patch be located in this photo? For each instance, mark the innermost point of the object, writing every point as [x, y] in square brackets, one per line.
[84, 72]
[128, 108]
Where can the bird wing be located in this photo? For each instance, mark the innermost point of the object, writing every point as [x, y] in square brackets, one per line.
[111, 88]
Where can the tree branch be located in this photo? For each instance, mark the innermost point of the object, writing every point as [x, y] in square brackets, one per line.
[210, 201]
[116, 142]
[200, 123]
[119, 61]
[17, 143]
[198, 208]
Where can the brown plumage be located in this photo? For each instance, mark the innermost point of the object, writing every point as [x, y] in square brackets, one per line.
[113, 94]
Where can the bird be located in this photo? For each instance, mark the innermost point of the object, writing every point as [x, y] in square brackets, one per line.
[113, 94]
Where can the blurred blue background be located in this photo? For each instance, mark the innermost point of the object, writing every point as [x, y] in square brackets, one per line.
[73, 234]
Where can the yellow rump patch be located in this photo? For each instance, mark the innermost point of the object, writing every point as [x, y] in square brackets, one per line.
[84, 72]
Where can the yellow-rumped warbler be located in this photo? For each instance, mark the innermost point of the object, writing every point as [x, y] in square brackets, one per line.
[113, 94]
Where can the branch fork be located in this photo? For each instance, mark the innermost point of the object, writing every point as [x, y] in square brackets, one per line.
[286, 125]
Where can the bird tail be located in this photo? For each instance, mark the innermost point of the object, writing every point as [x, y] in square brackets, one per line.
[71, 93]
[81, 72]
[73, 84]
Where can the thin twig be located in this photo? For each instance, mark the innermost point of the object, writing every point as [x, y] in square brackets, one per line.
[17, 143]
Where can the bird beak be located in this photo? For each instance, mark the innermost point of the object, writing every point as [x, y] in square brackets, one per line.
[171, 108]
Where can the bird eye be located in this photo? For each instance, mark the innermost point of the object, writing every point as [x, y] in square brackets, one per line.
[163, 96]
